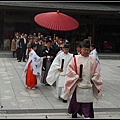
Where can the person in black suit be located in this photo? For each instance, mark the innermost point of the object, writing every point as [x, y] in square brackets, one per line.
[48, 54]
[39, 47]
[23, 46]
[55, 45]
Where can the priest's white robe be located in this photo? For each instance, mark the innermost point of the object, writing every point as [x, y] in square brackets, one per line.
[55, 75]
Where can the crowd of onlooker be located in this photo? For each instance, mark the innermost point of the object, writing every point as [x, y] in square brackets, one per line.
[20, 44]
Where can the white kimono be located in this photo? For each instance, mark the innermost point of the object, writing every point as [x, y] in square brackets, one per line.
[36, 64]
[54, 74]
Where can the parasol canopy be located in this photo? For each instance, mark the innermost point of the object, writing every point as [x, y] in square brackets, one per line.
[56, 21]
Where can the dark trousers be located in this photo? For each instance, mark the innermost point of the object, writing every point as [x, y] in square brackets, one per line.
[22, 54]
[18, 53]
[48, 64]
[14, 53]
[81, 108]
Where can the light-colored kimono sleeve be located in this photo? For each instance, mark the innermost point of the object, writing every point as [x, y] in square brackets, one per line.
[71, 74]
[36, 64]
[96, 80]
[71, 78]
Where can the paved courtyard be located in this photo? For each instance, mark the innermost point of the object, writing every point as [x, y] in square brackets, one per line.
[19, 102]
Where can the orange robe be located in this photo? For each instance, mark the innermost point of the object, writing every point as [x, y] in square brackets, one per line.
[31, 79]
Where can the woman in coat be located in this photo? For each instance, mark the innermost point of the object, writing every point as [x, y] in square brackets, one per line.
[13, 47]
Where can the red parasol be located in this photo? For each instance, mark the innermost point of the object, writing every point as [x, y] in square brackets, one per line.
[56, 21]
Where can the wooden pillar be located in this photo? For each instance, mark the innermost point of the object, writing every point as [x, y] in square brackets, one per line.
[3, 14]
[93, 29]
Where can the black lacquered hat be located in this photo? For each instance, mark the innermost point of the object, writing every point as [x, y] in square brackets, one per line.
[86, 43]
[66, 46]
